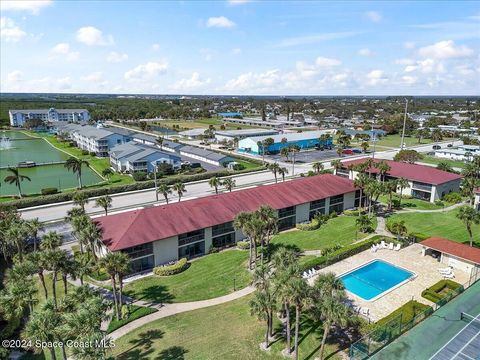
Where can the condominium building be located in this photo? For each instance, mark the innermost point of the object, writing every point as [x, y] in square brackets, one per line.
[157, 235]
[19, 117]
[424, 182]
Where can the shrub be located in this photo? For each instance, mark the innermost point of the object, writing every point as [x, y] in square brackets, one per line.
[352, 212]
[49, 191]
[140, 176]
[175, 268]
[417, 236]
[238, 167]
[213, 249]
[453, 197]
[92, 153]
[408, 311]
[439, 203]
[84, 152]
[243, 245]
[434, 292]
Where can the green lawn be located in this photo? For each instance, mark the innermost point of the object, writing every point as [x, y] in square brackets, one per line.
[136, 312]
[394, 141]
[415, 203]
[222, 332]
[248, 165]
[207, 277]
[436, 161]
[340, 230]
[443, 224]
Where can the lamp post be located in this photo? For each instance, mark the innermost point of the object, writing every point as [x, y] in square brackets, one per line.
[404, 123]
[154, 163]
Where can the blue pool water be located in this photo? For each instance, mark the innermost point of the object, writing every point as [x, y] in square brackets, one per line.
[374, 278]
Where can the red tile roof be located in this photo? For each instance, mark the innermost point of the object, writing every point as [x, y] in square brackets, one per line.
[137, 227]
[415, 172]
[454, 248]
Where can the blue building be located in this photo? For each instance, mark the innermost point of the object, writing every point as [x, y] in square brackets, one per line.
[229, 114]
[304, 140]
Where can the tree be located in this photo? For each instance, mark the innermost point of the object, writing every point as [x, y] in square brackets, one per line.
[116, 264]
[469, 216]
[339, 151]
[285, 151]
[282, 172]
[408, 156]
[51, 241]
[274, 168]
[390, 188]
[34, 226]
[39, 265]
[16, 235]
[165, 190]
[269, 218]
[383, 168]
[300, 298]
[294, 149]
[242, 222]
[317, 166]
[361, 181]
[398, 228]
[54, 259]
[179, 188]
[436, 135]
[83, 265]
[229, 184]
[336, 164]
[444, 166]
[332, 312]
[104, 202]
[80, 198]
[364, 222]
[107, 173]
[16, 178]
[402, 183]
[214, 182]
[75, 165]
[17, 297]
[469, 184]
[90, 235]
[364, 145]
[160, 140]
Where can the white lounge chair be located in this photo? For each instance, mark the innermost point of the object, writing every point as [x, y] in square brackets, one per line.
[397, 247]
[447, 270]
[383, 245]
[449, 276]
[390, 246]
[305, 275]
[364, 311]
[373, 248]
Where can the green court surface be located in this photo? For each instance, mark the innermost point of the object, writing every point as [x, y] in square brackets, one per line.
[431, 335]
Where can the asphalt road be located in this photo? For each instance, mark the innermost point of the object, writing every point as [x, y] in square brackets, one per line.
[139, 199]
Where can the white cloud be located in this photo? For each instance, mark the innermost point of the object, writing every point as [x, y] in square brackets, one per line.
[315, 38]
[426, 66]
[9, 31]
[155, 47]
[408, 44]
[33, 6]
[326, 62]
[220, 22]
[404, 61]
[236, 51]
[115, 57]
[409, 80]
[374, 16]
[92, 36]
[238, 2]
[365, 52]
[95, 77]
[63, 50]
[146, 71]
[194, 82]
[444, 50]
[376, 77]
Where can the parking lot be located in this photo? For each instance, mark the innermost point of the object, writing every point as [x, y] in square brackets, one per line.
[309, 156]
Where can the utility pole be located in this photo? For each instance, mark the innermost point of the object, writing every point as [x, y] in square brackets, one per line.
[404, 123]
[154, 163]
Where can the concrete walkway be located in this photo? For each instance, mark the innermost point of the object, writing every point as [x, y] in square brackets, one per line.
[448, 208]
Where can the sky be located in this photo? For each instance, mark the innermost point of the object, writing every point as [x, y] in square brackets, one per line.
[240, 47]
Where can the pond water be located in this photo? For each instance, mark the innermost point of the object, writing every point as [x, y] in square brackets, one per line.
[26, 148]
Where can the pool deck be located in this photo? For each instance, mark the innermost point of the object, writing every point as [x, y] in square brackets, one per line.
[409, 258]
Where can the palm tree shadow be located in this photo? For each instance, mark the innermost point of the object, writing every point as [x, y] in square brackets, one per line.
[144, 343]
[156, 293]
[172, 353]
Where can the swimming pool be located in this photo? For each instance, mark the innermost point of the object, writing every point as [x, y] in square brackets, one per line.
[375, 279]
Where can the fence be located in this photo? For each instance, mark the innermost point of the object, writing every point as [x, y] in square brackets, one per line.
[383, 335]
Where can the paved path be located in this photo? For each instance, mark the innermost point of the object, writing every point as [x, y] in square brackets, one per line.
[445, 209]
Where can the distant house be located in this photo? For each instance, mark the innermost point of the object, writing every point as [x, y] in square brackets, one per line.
[205, 155]
[133, 157]
[462, 153]
[193, 134]
[305, 140]
[424, 182]
[371, 133]
[167, 145]
[19, 117]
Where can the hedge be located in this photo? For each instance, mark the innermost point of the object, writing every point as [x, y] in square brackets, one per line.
[408, 312]
[50, 199]
[243, 245]
[176, 268]
[49, 191]
[433, 292]
[338, 255]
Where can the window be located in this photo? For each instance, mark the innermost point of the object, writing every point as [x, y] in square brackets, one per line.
[191, 250]
[224, 240]
[286, 223]
[421, 186]
[357, 198]
[142, 264]
[191, 237]
[336, 199]
[336, 204]
[222, 228]
[288, 211]
[317, 204]
[139, 250]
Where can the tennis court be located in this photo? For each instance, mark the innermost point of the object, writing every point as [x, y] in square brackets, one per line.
[444, 335]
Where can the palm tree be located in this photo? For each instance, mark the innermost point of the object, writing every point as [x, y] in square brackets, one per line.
[67, 267]
[282, 172]
[107, 173]
[34, 226]
[179, 188]
[285, 151]
[390, 188]
[269, 218]
[436, 135]
[331, 312]
[383, 169]
[90, 235]
[294, 149]
[300, 292]
[40, 264]
[116, 264]
[259, 306]
[75, 165]
[17, 297]
[104, 202]
[361, 181]
[165, 190]
[364, 145]
[242, 223]
[336, 164]
[214, 182]
[51, 241]
[402, 184]
[229, 184]
[80, 198]
[399, 228]
[469, 216]
[160, 140]
[274, 168]
[339, 151]
[16, 178]
[16, 235]
[55, 258]
[83, 265]
[317, 166]
[43, 327]
[364, 222]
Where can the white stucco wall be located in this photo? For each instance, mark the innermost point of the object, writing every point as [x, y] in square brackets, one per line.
[165, 250]
[302, 212]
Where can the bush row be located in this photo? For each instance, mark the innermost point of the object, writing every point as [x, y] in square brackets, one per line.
[338, 255]
[243, 245]
[433, 292]
[176, 268]
[50, 199]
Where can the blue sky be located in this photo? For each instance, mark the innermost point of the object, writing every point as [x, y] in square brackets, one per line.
[241, 47]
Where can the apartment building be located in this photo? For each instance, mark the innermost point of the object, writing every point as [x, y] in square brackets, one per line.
[19, 117]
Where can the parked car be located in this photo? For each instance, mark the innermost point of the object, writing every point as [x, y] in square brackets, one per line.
[347, 152]
[436, 147]
[449, 145]
[357, 151]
